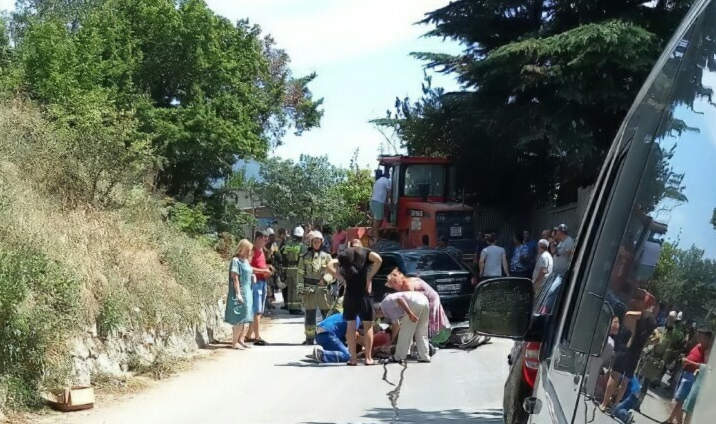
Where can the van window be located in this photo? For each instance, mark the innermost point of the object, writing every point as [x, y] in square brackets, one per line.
[654, 256]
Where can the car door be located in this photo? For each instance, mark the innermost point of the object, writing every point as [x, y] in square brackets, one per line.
[647, 247]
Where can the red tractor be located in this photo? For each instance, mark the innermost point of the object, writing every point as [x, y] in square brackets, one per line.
[424, 202]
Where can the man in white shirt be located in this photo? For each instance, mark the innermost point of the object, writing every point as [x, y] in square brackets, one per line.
[381, 194]
[493, 260]
[544, 265]
[564, 251]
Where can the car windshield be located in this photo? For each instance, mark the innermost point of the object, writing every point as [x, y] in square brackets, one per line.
[433, 261]
[418, 176]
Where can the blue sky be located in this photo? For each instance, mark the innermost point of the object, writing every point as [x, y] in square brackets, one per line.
[360, 51]
[695, 156]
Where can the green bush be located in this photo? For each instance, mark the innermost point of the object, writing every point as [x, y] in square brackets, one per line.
[38, 307]
[191, 220]
[112, 313]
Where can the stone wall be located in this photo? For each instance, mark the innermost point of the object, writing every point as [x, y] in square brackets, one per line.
[113, 355]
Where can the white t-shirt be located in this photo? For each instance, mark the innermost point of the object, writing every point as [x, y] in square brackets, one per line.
[544, 260]
[563, 255]
[380, 190]
[493, 260]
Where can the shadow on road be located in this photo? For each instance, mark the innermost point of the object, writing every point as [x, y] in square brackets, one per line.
[299, 364]
[446, 416]
[417, 416]
[272, 344]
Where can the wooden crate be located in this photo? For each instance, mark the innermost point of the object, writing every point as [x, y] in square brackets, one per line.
[71, 398]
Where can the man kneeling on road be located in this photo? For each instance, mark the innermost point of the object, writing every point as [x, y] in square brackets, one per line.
[331, 339]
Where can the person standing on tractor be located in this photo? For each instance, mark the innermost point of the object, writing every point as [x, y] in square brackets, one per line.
[291, 252]
[380, 197]
[313, 281]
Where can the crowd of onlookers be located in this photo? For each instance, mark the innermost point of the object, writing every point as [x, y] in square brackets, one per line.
[315, 273]
[333, 275]
[528, 258]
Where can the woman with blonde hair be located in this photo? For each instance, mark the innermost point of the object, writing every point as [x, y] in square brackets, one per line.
[239, 302]
[437, 318]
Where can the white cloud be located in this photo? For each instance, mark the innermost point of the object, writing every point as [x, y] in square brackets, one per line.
[7, 5]
[332, 31]
[337, 145]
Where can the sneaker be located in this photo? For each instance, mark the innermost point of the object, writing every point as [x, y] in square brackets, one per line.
[318, 353]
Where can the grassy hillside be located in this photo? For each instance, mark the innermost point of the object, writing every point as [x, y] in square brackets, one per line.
[76, 250]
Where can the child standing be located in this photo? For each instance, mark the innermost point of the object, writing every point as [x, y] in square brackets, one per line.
[239, 302]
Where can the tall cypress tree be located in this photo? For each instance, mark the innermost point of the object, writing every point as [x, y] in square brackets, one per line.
[545, 85]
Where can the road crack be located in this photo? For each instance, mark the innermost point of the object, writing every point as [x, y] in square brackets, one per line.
[394, 394]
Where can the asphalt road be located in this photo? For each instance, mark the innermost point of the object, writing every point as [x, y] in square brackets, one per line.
[271, 384]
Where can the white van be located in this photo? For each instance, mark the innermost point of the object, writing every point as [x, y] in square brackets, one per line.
[627, 334]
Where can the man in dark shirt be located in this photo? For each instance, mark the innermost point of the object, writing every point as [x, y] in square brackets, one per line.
[357, 266]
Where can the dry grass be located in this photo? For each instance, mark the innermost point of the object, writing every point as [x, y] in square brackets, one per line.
[162, 275]
[133, 269]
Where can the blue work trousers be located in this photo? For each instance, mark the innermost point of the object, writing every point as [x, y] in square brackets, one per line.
[333, 348]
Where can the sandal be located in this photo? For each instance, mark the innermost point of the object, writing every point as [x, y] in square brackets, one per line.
[352, 364]
[260, 342]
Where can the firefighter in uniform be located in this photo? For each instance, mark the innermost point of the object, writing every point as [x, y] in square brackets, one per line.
[291, 253]
[313, 283]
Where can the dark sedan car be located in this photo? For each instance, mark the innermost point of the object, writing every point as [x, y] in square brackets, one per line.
[445, 273]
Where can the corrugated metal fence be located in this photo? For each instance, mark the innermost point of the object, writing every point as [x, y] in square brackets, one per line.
[507, 224]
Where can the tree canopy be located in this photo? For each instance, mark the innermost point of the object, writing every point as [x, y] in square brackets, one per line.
[202, 90]
[311, 190]
[545, 86]
[685, 279]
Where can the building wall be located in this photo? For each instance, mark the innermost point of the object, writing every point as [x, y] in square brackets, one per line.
[506, 225]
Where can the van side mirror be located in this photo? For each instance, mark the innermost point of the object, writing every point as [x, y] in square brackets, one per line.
[502, 307]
